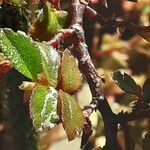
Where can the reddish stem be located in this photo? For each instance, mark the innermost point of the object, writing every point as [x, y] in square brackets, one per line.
[80, 51]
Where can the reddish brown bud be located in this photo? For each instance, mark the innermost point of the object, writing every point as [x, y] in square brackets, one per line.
[5, 66]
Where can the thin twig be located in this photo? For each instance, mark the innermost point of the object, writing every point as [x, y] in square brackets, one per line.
[80, 51]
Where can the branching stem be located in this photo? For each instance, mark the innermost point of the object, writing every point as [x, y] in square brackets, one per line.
[80, 51]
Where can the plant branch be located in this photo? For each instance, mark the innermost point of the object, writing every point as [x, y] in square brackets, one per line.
[80, 51]
[126, 117]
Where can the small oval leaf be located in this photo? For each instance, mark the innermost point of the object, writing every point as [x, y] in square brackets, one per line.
[50, 62]
[70, 114]
[43, 107]
[70, 73]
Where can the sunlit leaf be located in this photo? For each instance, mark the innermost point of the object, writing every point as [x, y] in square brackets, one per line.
[70, 114]
[62, 17]
[22, 52]
[43, 107]
[146, 90]
[71, 76]
[126, 83]
[48, 23]
[51, 62]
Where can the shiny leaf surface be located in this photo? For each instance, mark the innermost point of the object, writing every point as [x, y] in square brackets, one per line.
[51, 63]
[70, 114]
[70, 73]
[43, 107]
[22, 52]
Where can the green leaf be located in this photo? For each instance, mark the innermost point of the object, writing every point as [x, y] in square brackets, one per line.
[22, 52]
[146, 90]
[126, 83]
[70, 74]
[146, 142]
[62, 17]
[70, 114]
[47, 24]
[51, 63]
[43, 107]
[50, 17]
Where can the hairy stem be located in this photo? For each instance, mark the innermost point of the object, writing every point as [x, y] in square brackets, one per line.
[80, 51]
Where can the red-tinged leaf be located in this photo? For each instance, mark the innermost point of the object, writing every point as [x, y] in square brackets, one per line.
[70, 114]
[70, 73]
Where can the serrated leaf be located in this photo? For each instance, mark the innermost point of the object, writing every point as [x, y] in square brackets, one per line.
[126, 83]
[146, 142]
[70, 73]
[46, 25]
[22, 52]
[70, 114]
[43, 107]
[146, 90]
[50, 62]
